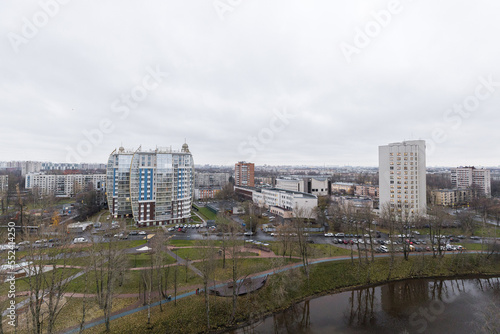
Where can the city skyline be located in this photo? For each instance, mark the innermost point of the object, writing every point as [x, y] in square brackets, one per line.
[313, 84]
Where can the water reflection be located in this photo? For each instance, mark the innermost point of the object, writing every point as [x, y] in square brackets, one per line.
[411, 306]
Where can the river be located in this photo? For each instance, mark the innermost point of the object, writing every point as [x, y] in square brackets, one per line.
[412, 306]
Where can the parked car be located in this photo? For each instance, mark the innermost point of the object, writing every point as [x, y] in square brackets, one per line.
[142, 233]
[133, 233]
[328, 234]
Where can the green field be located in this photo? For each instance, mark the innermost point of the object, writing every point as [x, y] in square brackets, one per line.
[206, 213]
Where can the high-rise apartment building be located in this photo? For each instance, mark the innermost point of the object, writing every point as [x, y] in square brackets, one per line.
[402, 178]
[477, 179]
[64, 185]
[154, 187]
[244, 174]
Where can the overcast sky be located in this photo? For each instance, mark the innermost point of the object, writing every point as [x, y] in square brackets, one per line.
[273, 82]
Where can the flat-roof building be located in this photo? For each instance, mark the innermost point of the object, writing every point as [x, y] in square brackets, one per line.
[477, 179]
[402, 178]
[244, 174]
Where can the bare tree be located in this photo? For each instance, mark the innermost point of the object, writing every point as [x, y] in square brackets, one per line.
[467, 222]
[436, 222]
[207, 254]
[147, 278]
[47, 280]
[301, 237]
[108, 262]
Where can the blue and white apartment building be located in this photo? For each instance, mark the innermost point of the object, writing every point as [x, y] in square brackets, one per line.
[154, 187]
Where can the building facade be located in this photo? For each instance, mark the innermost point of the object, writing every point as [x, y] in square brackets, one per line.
[208, 179]
[402, 178]
[293, 203]
[366, 190]
[206, 193]
[154, 187]
[343, 187]
[244, 174]
[477, 179]
[318, 186]
[450, 197]
[64, 185]
[4, 183]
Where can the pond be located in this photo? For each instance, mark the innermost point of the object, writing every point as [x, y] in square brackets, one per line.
[411, 306]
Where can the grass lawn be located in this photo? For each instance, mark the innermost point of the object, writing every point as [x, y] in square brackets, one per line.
[474, 246]
[206, 213]
[247, 266]
[23, 285]
[315, 250]
[144, 260]
[195, 218]
[71, 313]
[182, 243]
[328, 250]
[189, 253]
[132, 279]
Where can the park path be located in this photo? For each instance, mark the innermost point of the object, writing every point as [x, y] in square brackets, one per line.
[181, 261]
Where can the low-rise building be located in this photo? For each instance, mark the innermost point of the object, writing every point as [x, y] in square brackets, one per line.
[291, 203]
[315, 185]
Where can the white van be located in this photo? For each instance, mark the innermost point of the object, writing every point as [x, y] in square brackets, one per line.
[80, 240]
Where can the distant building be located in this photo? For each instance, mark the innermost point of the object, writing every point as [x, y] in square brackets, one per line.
[30, 167]
[356, 203]
[4, 183]
[450, 197]
[211, 179]
[315, 185]
[285, 203]
[206, 193]
[244, 174]
[154, 187]
[366, 190]
[477, 179]
[343, 187]
[402, 178]
[208, 184]
[64, 185]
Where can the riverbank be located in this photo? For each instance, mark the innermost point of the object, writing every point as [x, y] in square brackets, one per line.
[291, 286]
